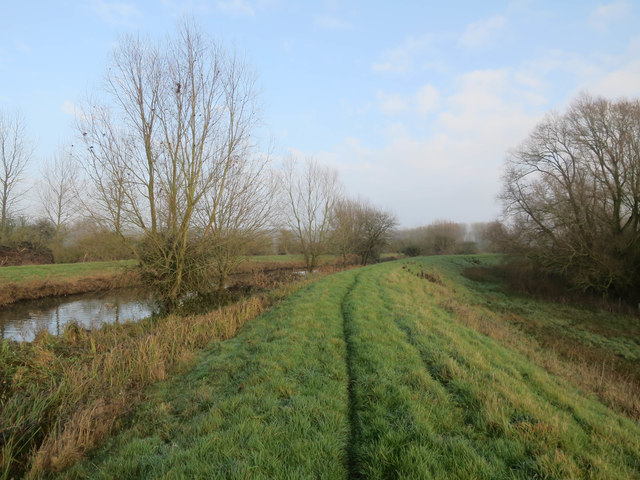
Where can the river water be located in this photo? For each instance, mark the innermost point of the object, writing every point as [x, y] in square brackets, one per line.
[23, 320]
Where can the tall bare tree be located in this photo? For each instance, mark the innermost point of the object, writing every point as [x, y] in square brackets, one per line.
[59, 192]
[572, 191]
[311, 192]
[172, 155]
[242, 214]
[346, 228]
[15, 154]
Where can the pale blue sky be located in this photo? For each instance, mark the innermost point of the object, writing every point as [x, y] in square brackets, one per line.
[415, 103]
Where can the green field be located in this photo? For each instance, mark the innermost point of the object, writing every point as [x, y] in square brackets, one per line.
[70, 270]
[60, 271]
[400, 370]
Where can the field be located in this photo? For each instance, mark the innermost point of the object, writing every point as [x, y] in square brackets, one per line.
[401, 370]
[28, 282]
[27, 273]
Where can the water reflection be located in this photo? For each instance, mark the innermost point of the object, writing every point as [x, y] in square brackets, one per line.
[21, 321]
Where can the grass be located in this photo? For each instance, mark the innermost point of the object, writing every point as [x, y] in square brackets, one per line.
[598, 350]
[29, 282]
[400, 370]
[60, 271]
[59, 396]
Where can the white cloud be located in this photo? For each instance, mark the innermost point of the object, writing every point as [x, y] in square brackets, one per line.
[604, 15]
[23, 47]
[240, 7]
[621, 82]
[482, 32]
[427, 99]
[396, 60]
[391, 104]
[331, 23]
[115, 13]
[424, 102]
[611, 76]
[400, 59]
[454, 169]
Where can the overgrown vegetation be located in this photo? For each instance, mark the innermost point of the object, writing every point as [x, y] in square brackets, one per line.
[403, 370]
[30, 241]
[444, 237]
[60, 396]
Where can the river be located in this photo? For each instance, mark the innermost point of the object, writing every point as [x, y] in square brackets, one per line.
[21, 321]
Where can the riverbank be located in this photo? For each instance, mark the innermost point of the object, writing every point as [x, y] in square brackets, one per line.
[31, 282]
[61, 395]
[39, 281]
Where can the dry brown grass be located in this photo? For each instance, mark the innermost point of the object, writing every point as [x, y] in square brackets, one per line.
[85, 380]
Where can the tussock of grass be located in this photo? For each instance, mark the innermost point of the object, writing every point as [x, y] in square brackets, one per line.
[401, 370]
[60, 396]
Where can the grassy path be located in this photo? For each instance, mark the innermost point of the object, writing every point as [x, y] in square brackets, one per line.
[352, 463]
[372, 373]
[270, 403]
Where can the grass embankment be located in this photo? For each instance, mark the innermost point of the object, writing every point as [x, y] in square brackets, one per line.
[29, 282]
[59, 396]
[402, 370]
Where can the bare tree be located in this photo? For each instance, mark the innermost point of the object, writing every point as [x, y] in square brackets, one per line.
[346, 228]
[572, 192]
[59, 192]
[286, 242]
[15, 153]
[375, 227]
[443, 236]
[172, 157]
[311, 192]
[358, 228]
[490, 236]
[242, 214]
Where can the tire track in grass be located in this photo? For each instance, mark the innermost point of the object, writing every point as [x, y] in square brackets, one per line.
[355, 430]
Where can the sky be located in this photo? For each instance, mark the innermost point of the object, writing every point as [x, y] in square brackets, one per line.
[415, 103]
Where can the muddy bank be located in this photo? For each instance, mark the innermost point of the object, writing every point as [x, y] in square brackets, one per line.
[12, 292]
